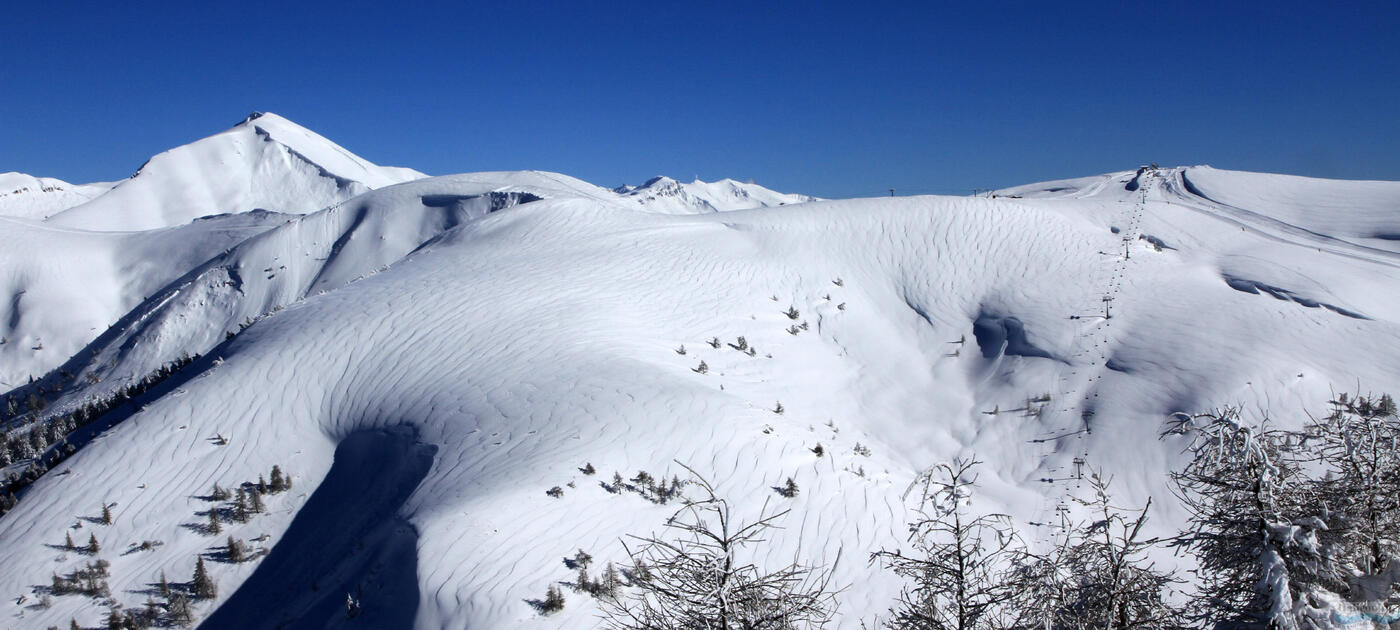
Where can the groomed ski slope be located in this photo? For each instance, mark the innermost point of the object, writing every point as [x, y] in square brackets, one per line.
[512, 347]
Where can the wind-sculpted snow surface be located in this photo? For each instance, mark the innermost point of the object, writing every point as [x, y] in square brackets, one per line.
[353, 510]
[521, 325]
[302, 256]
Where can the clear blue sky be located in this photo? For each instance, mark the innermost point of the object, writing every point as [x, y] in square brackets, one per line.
[840, 99]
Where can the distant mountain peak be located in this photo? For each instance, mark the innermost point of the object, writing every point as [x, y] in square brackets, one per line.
[665, 194]
[266, 161]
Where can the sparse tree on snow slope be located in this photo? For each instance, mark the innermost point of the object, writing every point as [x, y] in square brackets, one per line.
[701, 579]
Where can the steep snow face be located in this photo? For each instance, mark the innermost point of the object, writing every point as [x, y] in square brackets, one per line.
[300, 257]
[510, 339]
[59, 289]
[266, 162]
[28, 197]
[668, 196]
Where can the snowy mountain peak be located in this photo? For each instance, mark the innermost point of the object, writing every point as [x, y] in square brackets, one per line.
[668, 196]
[264, 162]
[323, 152]
[30, 197]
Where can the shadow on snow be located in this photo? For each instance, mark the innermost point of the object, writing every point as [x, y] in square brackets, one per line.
[347, 540]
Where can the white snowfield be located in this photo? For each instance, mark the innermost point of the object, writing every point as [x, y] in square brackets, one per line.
[428, 359]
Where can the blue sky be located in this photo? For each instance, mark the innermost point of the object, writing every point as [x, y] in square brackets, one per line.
[838, 99]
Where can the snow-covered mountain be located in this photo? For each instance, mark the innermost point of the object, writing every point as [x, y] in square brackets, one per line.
[665, 195]
[428, 359]
[89, 253]
[29, 197]
[265, 162]
[60, 288]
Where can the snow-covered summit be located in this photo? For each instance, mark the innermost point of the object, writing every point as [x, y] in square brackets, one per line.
[668, 196]
[265, 162]
[29, 197]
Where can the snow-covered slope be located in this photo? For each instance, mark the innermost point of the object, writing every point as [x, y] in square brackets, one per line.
[29, 197]
[300, 257]
[65, 280]
[60, 288]
[668, 196]
[265, 162]
[1111, 185]
[1361, 212]
[429, 358]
